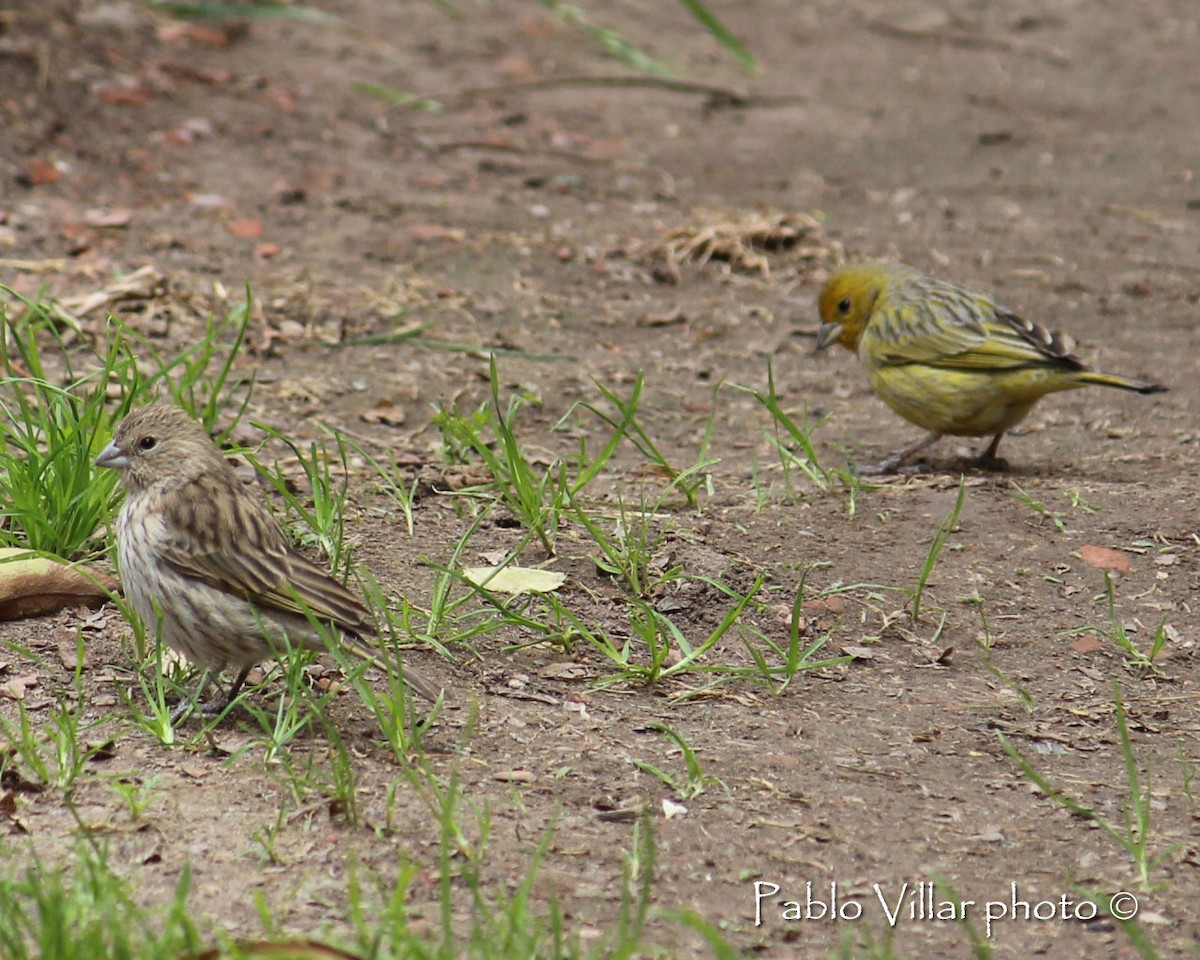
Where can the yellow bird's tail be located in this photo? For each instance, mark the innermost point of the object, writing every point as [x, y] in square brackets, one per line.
[1123, 383]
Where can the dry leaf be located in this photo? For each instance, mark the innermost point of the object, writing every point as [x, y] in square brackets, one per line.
[145, 283]
[108, 217]
[250, 228]
[38, 171]
[568, 670]
[671, 809]
[421, 232]
[15, 688]
[858, 652]
[515, 776]
[282, 950]
[1086, 644]
[385, 411]
[1104, 558]
[515, 579]
[31, 585]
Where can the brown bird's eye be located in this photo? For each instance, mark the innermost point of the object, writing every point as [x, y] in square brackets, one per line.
[148, 443]
[844, 305]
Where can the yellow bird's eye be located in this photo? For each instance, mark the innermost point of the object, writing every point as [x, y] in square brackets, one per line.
[844, 306]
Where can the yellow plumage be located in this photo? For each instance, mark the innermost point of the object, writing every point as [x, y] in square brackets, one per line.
[946, 357]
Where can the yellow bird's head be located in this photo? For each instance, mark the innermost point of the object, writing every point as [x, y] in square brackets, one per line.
[847, 301]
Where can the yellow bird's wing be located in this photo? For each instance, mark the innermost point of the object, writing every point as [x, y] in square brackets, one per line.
[960, 330]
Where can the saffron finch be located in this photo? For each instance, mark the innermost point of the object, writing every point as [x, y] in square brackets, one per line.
[946, 357]
[203, 557]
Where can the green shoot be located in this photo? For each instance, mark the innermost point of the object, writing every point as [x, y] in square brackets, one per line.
[944, 530]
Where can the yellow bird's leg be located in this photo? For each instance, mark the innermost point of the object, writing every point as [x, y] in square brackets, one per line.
[893, 461]
[988, 459]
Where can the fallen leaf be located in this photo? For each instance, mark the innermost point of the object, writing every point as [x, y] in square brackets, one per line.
[15, 688]
[858, 652]
[515, 776]
[250, 228]
[516, 66]
[207, 201]
[281, 950]
[435, 231]
[37, 172]
[197, 33]
[108, 217]
[101, 749]
[133, 96]
[515, 579]
[31, 585]
[1104, 558]
[564, 671]
[1086, 644]
[387, 412]
[671, 809]
[145, 283]
[668, 319]
[833, 604]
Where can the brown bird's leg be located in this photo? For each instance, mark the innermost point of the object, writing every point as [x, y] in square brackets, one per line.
[218, 703]
[892, 462]
[184, 707]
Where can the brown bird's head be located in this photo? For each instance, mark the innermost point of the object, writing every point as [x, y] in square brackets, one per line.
[847, 300]
[160, 444]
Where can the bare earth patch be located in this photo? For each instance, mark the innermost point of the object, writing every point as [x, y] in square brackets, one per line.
[582, 235]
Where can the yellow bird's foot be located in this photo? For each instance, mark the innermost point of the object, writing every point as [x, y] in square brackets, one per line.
[896, 462]
[992, 464]
[989, 459]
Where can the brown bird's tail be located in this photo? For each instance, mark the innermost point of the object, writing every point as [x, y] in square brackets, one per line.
[430, 691]
[1123, 383]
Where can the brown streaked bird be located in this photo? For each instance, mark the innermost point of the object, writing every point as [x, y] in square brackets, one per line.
[203, 558]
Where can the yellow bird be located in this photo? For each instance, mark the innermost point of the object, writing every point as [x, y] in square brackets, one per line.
[949, 358]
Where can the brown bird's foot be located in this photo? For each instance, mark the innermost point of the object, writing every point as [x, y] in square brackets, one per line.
[215, 705]
[185, 706]
[181, 711]
[220, 703]
[212, 707]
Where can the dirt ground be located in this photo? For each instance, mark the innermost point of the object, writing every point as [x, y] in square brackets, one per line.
[1046, 152]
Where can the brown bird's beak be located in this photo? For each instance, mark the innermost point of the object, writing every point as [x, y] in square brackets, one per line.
[828, 333]
[112, 457]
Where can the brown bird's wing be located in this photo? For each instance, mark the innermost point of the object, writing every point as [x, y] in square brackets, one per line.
[246, 554]
[961, 331]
